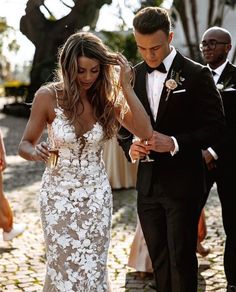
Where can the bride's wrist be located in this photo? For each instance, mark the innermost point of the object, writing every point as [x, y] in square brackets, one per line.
[33, 155]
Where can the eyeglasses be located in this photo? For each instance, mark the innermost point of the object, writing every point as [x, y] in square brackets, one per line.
[211, 44]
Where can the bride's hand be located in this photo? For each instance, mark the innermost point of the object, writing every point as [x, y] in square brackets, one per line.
[125, 71]
[138, 150]
[41, 152]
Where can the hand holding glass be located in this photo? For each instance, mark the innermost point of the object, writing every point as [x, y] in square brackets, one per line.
[147, 158]
[53, 157]
[145, 142]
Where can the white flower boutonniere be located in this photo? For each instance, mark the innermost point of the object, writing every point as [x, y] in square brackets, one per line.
[220, 86]
[225, 85]
[173, 82]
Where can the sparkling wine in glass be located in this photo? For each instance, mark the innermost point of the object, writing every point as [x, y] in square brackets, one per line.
[146, 158]
[53, 158]
[53, 153]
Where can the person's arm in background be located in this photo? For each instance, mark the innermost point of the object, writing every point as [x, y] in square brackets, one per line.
[125, 141]
[228, 142]
[3, 163]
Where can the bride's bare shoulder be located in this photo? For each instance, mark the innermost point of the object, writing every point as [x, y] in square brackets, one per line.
[45, 94]
[44, 102]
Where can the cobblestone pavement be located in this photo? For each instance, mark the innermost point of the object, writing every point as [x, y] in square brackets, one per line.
[22, 261]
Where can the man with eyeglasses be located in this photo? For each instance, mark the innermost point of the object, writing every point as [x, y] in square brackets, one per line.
[221, 157]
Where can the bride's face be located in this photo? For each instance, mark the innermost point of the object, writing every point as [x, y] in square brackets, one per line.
[88, 71]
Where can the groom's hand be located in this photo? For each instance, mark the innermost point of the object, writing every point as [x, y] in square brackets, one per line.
[160, 143]
[209, 159]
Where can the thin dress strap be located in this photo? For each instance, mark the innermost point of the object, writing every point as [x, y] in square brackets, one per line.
[51, 139]
[54, 87]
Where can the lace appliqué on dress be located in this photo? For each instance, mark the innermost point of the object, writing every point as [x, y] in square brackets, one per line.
[76, 210]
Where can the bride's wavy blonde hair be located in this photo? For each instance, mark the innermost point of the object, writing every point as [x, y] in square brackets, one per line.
[105, 90]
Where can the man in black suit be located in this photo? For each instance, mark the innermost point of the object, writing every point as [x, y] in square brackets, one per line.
[220, 157]
[187, 116]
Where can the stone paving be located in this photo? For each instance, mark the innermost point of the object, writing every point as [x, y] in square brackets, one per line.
[22, 261]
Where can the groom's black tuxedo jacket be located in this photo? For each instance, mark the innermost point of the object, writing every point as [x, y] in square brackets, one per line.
[193, 114]
[225, 148]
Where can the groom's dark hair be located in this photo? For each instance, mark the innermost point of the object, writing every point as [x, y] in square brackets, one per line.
[150, 19]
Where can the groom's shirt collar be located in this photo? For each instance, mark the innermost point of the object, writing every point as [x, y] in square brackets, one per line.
[218, 70]
[169, 59]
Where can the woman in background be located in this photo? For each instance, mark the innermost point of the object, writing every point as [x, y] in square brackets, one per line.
[139, 258]
[10, 230]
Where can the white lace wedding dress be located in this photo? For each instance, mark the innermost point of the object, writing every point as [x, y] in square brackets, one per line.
[76, 210]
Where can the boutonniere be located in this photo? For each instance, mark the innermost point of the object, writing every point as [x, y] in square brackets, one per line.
[224, 85]
[173, 82]
[220, 86]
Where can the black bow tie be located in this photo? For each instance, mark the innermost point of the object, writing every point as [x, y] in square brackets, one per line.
[213, 72]
[160, 68]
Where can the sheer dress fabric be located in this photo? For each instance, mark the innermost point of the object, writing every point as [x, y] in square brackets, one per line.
[76, 210]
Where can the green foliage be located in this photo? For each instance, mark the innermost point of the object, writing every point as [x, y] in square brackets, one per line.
[123, 42]
[5, 37]
[3, 30]
[7, 42]
[3, 25]
[145, 3]
[13, 46]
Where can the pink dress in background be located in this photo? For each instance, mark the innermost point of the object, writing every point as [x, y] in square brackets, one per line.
[139, 258]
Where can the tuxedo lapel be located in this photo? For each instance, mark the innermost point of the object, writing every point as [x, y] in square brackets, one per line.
[141, 91]
[226, 75]
[163, 105]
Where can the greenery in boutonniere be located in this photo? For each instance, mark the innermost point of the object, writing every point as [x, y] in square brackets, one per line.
[173, 82]
[224, 85]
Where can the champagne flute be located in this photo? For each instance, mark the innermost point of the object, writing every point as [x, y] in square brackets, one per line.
[53, 155]
[147, 157]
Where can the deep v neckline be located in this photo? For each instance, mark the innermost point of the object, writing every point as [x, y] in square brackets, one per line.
[73, 127]
[87, 132]
[58, 107]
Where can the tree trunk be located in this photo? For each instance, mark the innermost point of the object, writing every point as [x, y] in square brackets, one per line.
[48, 35]
[210, 12]
[194, 14]
[181, 8]
[215, 16]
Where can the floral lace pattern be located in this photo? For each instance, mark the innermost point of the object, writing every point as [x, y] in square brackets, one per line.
[76, 210]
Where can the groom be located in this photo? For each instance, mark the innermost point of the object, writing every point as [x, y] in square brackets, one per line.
[186, 113]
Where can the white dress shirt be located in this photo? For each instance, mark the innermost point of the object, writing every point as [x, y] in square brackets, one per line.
[154, 85]
[218, 71]
[155, 82]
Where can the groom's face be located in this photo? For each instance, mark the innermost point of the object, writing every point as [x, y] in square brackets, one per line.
[153, 47]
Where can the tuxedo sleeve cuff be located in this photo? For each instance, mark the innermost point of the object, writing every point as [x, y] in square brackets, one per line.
[213, 153]
[176, 146]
